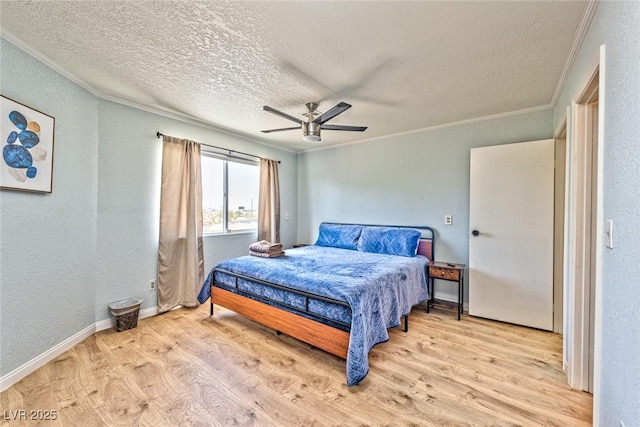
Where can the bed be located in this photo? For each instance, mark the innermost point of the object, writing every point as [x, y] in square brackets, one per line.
[341, 294]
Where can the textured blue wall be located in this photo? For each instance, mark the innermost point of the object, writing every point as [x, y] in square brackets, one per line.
[49, 241]
[130, 161]
[410, 179]
[65, 256]
[617, 26]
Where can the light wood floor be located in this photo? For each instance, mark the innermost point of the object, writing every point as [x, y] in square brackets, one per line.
[185, 368]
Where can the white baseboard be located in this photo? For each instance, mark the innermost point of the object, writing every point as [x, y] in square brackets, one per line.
[19, 373]
[101, 325]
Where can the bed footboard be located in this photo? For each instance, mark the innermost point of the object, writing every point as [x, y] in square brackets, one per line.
[327, 338]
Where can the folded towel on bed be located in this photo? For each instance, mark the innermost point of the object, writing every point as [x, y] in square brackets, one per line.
[267, 254]
[263, 246]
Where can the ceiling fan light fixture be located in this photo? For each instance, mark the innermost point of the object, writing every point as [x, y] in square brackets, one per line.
[310, 132]
[315, 122]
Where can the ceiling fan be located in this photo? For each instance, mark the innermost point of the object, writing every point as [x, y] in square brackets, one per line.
[315, 121]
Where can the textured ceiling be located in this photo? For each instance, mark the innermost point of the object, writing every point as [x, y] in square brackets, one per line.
[402, 65]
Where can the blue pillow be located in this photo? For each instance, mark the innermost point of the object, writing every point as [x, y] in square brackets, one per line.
[389, 240]
[339, 236]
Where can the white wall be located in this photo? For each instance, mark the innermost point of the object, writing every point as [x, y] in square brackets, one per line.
[67, 255]
[617, 25]
[411, 179]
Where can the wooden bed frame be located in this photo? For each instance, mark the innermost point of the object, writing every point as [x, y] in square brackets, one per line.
[328, 338]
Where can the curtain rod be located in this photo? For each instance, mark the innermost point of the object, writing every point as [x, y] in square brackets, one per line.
[158, 134]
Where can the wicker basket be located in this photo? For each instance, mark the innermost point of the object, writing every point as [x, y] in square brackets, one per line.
[127, 321]
[126, 313]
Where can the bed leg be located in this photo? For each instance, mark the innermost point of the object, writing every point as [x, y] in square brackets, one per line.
[211, 309]
[278, 333]
[406, 323]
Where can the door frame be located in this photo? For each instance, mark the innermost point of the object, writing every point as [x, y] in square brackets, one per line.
[559, 227]
[582, 265]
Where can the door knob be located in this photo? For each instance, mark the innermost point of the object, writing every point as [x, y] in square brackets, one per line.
[475, 232]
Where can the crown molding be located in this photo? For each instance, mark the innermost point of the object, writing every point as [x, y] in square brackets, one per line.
[22, 45]
[585, 23]
[190, 120]
[438, 127]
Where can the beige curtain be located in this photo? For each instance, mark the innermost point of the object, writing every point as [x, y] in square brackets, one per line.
[180, 259]
[269, 202]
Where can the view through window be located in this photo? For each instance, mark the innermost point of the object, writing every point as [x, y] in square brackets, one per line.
[229, 195]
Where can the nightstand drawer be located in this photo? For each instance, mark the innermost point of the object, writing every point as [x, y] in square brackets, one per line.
[444, 273]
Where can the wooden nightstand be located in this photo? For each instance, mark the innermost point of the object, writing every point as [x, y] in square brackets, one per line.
[452, 272]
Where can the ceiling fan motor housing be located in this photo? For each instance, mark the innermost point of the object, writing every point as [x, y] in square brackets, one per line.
[311, 128]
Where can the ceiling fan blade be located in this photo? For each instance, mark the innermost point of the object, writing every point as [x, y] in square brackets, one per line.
[340, 108]
[281, 114]
[280, 130]
[340, 127]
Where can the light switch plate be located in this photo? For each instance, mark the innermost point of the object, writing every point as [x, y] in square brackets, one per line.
[609, 233]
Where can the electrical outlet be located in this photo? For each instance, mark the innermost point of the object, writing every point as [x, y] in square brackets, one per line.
[152, 285]
[448, 219]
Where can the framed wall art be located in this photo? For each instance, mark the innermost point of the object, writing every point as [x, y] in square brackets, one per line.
[27, 147]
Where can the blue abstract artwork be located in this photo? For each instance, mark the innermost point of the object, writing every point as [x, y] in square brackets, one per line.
[27, 152]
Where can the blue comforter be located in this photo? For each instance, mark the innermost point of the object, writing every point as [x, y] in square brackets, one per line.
[379, 288]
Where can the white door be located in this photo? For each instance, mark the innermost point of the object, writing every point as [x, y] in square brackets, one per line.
[511, 211]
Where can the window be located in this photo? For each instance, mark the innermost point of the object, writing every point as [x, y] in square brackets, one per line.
[229, 194]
